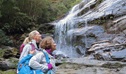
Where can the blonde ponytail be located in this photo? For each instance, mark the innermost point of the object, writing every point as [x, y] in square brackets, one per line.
[27, 40]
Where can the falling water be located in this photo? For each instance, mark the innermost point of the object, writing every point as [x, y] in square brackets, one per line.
[86, 44]
[63, 40]
[63, 31]
[85, 11]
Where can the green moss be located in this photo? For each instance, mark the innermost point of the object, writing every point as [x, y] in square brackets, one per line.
[112, 65]
[15, 51]
[8, 72]
[98, 21]
[1, 53]
[102, 20]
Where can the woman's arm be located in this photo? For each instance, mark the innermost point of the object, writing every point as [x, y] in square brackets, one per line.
[38, 62]
[26, 58]
[25, 51]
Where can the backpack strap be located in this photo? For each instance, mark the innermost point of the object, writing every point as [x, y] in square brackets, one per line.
[48, 61]
[47, 57]
[33, 46]
[21, 47]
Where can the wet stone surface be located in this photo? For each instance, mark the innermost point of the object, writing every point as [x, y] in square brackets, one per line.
[79, 66]
[81, 69]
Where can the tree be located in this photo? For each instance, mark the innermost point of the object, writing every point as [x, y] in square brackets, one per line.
[0, 6]
[13, 20]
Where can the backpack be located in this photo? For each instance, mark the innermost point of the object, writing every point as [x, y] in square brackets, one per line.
[24, 68]
[22, 46]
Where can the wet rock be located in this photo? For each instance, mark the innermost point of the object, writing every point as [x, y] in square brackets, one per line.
[115, 8]
[118, 54]
[84, 61]
[85, 37]
[119, 39]
[117, 25]
[8, 54]
[93, 21]
[105, 37]
[7, 64]
[107, 51]
[85, 66]
[102, 56]
[3, 66]
[113, 65]
[88, 31]
[100, 46]
[59, 55]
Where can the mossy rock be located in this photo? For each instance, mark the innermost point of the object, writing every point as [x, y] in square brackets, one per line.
[13, 63]
[13, 71]
[113, 65]
[1, 53]
[8, 53]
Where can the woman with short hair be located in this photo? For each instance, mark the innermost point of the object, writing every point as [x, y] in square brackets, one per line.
[39, 61]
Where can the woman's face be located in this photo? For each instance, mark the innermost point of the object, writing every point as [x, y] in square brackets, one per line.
[53, 45]
[38, 37]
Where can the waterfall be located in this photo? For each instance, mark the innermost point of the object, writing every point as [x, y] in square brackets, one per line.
[64, 30]
[64, 43]
[86, 44]
[61, 35]
[73, 35]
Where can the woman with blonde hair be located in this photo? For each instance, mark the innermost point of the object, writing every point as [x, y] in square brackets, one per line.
[26, 40]
[34, 38]
[30, 49]
[39, 61]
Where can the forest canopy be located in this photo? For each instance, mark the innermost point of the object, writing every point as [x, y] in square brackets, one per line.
[19, 16]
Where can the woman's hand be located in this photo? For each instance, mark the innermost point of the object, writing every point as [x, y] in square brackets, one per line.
[32, 51]
[49, 66]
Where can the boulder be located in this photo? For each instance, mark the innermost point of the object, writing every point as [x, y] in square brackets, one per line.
[119, 54]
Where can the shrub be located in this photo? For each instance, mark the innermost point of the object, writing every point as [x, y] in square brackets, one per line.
[4, 40]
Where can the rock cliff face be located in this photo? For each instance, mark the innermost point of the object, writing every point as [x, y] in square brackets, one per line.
[94, 28]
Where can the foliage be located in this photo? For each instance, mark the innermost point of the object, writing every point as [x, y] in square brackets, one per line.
[33, 8]
[21, 16]
[1, 53]
[61, 7]
[13, 21]
[0, 6]
[70, 3]
[5, 40]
